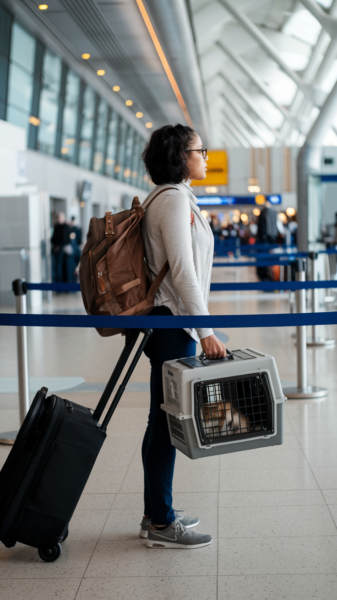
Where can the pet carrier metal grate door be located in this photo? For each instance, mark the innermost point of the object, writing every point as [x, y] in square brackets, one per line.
[233, 407]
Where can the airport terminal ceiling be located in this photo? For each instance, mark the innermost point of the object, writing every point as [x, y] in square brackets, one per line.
[244, 73]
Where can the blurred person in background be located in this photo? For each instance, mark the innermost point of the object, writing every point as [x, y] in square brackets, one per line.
[267, 233]
[60, 241]
[76, 242]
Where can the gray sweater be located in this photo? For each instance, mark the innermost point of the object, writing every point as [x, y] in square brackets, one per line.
[175, 230]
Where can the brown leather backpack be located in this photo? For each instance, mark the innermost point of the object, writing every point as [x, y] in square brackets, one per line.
[114, 276]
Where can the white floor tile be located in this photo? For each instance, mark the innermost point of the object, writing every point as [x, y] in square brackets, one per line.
[271, 521]
[278, 555]
[149, 588]
[267, 479]
[278, 587]
[122, 558]
[273, 498]
[39, 589]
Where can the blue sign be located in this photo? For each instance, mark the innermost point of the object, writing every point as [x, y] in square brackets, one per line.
[231, 200]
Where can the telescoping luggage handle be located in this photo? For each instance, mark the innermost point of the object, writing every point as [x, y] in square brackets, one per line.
[131, 337]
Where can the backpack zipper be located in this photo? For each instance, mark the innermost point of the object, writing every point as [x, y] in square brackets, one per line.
[101, 282]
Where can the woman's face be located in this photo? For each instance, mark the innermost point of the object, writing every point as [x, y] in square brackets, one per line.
[196, 164]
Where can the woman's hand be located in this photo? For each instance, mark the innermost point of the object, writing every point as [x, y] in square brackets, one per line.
[212, 347]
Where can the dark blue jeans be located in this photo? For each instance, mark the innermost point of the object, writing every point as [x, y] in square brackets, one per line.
[157, 451]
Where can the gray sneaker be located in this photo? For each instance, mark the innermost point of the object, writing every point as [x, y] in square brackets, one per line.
[176, 536]
[188, 522]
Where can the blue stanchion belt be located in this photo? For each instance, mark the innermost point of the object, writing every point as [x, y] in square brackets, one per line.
[273, 285]
[256, 263]
[215, 287]
[160, 322]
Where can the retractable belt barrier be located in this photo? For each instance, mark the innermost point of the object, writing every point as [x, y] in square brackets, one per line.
[174, 322]
[215, 287]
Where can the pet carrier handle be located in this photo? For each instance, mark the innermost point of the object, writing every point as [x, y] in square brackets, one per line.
[203, 357]
[130, 341]
[113, 406]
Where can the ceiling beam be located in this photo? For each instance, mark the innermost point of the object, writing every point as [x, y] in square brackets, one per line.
[243, 115]
[231, 140]
[328, 21]
[247, 99]
[264, 43]
[235, 125]
[254, 77]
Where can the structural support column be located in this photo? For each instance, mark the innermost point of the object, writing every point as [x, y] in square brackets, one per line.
[309, 162]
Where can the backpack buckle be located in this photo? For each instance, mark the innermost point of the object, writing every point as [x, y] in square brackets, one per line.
[109, 230]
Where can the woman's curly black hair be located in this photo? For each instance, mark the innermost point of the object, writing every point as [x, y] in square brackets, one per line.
[164, 154]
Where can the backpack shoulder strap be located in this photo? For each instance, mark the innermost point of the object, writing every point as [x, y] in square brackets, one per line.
[156, 196]
[164, 270]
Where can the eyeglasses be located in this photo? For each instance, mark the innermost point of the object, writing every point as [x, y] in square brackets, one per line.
[203, 150]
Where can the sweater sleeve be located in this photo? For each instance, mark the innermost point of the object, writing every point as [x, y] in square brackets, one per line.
[175, 227]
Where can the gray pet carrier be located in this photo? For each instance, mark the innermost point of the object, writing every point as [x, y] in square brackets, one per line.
[220, 406]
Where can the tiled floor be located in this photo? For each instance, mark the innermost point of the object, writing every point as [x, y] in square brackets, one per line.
[272, 512]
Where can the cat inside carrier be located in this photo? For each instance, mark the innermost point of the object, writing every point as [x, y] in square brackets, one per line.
[219, 406]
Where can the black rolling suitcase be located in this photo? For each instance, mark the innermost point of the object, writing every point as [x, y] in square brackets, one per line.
[47, 469]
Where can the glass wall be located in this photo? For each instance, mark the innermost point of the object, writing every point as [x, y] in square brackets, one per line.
[21, 77]
[63, 116]
[70, 117]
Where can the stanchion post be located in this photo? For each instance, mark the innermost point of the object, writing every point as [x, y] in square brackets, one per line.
[20, 291]
[302, 390]
[315, 341]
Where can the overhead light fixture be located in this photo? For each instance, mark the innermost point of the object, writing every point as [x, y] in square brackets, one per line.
[134, 173]
[244, 218]
[116, 88]
[139, 115]
[204, 213]
[64, 150]
[100, 72]
[82, 204]
[69, 141]
[109, 161]
[291, 212]
[117, 169]
[256, 212]
[43, 6]
[85, 56]
[211, 190]
[149, 125]
[236, 219]
[34, 121]
[164, 62]
[128, 102]
[254, 189]
[127, 173]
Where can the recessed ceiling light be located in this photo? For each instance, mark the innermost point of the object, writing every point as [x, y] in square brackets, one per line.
[43, 6]
[85, 56]
[34, 121]
[129, 103]
[149, 125]
[100, 72]
[116, 88]
[64, 150]
[139, 115]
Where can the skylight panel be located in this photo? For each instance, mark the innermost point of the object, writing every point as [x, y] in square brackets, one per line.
[303, 26]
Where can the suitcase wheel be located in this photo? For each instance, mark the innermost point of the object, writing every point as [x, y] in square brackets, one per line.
[50, 551]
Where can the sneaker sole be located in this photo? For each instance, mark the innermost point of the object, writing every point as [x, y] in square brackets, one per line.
[157, 545]
[143, 534]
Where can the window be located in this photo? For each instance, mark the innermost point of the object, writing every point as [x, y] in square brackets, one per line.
[111, 151]
[135, 159]
[100, 137]
[127, 177]
[20, 85]
[87, 129]
[122, 131]
[49, 102]
[70, 117]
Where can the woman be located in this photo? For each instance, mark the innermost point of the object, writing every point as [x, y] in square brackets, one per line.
[174, 230]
